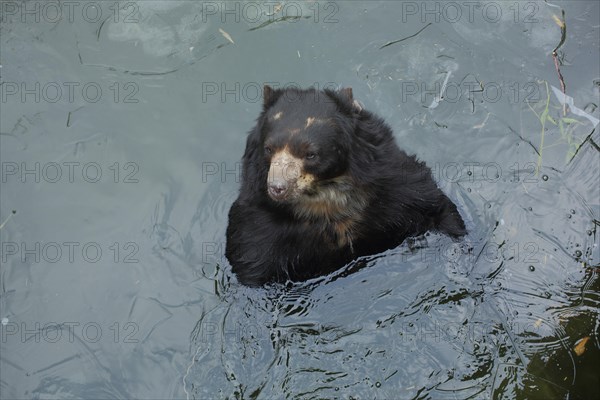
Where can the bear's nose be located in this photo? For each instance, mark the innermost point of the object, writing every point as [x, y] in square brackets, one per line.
[278, 189]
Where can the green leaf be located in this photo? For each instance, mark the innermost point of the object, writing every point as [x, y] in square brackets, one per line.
[570, 121]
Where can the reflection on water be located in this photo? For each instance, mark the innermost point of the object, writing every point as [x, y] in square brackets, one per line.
[121, 134]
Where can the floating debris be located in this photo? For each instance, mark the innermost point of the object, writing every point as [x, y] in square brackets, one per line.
[8, 218]
[226, 35]
[276, 9]
[436, 101]
[563, 35]
[403, 39]
[579, 348]
[281, 19]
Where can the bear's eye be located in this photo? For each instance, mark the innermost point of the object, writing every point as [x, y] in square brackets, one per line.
[311, 155]
[268, 150]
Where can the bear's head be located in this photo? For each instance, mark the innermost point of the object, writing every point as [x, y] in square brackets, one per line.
[304, 142]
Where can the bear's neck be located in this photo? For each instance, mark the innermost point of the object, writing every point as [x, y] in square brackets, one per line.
[337, 208]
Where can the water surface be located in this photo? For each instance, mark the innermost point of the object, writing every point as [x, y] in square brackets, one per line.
[122, 126]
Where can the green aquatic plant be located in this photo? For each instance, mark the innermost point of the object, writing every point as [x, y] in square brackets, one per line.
[566, 126]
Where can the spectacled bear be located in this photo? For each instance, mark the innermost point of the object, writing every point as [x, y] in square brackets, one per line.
[323, 182]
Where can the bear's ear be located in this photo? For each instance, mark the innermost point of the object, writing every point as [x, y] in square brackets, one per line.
[267, 94]
[347, 94]
[270, 96]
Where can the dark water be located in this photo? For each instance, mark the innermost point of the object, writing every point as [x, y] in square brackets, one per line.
[121, 129]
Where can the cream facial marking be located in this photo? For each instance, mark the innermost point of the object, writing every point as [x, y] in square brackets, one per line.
[277, 116]
[305, 181]
[284, 171]
[314, 120]
[284, 168]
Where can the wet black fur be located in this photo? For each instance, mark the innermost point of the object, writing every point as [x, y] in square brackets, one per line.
[267, 241]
